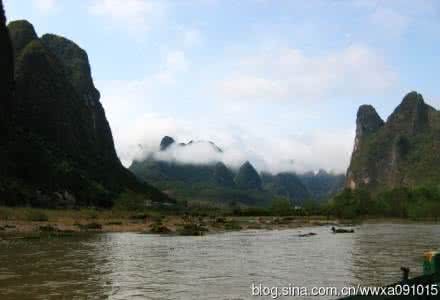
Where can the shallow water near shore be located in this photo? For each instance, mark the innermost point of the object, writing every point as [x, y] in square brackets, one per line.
[219, 266]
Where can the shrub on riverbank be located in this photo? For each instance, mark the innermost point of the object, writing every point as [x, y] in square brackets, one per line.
[417, 203]
[38, 216]
[192, 229]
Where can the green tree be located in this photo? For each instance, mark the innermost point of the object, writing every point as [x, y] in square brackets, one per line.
[281, 206]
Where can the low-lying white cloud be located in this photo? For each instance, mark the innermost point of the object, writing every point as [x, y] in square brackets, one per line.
[328, 150]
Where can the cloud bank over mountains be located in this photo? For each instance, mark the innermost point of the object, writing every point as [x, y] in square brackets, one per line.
[328, 150]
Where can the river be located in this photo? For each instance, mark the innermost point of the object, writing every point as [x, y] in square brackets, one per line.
[219, 266]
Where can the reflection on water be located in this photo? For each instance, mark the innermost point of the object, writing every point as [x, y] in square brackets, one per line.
[223, 266]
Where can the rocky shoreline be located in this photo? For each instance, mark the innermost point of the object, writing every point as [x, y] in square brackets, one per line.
[165, 225]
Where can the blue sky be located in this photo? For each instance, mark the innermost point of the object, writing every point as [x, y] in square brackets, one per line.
[275, 82]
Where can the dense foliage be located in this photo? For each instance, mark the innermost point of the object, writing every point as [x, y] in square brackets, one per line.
[421, 202]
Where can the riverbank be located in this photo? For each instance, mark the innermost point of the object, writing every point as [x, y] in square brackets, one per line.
[29, 221]
[35, 222]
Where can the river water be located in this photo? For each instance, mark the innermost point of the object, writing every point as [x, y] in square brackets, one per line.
[219, 266]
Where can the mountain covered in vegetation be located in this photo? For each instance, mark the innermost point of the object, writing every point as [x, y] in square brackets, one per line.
[57, 148]
[247, 178]
[218, 182]
[322, 184]
[286, 185]
[402, 152]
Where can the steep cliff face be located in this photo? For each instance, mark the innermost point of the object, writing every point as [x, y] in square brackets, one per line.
[404, 151]
[22, 33]
[6, 71]
[78, 73]
[46, 102]
[59, 142]
[368, 122]
[6, 87]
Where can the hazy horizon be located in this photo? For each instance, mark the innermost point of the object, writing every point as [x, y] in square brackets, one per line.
[279, 84]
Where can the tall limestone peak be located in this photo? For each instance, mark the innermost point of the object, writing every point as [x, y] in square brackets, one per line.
[403, 152]
[166, 142]
[45, 97]
[22, 33]
[78, 72]
[411, 115]
[76, 63]
[248, 178]
[368, 120]
[58, 141]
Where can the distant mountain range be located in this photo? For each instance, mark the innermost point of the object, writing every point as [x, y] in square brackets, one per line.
[56, 146]
[404, 151]
[216, 181]
[322, 185]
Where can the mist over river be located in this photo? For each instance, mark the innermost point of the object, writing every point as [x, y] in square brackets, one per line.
[218, 266]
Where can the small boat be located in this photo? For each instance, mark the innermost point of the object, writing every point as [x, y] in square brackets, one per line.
[424, 287]
[342, 230]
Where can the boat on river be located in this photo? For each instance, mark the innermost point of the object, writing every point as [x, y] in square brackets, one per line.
[424, 287]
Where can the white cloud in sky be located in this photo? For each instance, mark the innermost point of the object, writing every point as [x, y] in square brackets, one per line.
[192, 37]
[176, 60]
[288, 74]
[45, 7]
[253, 88]
[175, 63]
[389, 21]
[134, 15]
